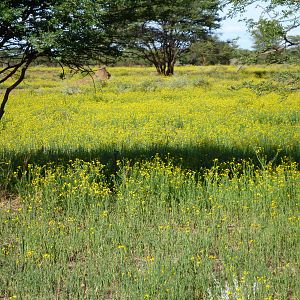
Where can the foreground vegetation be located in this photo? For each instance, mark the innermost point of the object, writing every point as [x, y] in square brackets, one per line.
[150, 188]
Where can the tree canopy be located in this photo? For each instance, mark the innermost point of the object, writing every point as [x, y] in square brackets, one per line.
[163, 30]
[211, 51]
[70, 33]
[75, 33]
[273, 30]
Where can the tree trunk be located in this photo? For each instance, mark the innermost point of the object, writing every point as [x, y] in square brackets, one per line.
[165, 68]
[204, 62]
[157, 68]
[170, 69]
[14, 85]
[160, 68]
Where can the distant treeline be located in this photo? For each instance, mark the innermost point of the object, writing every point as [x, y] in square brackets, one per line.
[208, 52]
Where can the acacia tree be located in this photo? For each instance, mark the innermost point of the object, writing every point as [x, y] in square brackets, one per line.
[163, 30]
[70, 33]
[273, 30]
[273, 35]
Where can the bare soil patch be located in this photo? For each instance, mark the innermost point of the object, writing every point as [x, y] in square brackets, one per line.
[9, 201]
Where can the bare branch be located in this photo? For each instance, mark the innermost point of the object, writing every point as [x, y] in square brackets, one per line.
[289, 42]
[12, 72]
[16, 83]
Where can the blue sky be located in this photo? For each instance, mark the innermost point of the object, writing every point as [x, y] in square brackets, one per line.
[232, 28]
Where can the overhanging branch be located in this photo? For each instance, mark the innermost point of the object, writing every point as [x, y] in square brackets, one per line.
[29, 60]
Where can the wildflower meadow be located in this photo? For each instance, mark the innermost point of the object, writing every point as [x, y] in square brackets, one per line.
[146, 187]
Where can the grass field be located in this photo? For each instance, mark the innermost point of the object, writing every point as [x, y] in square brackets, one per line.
[150, 187]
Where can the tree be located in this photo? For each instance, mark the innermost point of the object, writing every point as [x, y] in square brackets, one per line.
[272, 34]
[267, 42]
[164, 30]
[70, 33]
[211, 51]
[294, 52]
[278, 18]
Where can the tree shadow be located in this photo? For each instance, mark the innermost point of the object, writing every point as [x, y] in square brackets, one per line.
[197, 158]
[193, 157]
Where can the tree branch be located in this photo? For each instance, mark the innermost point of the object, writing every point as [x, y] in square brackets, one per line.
[15, 69]
[16, 83]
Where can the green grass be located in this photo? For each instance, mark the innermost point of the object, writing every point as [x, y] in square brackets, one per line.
[152, 188]
[161, 233]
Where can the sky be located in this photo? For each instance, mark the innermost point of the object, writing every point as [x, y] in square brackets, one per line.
[232, 28]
